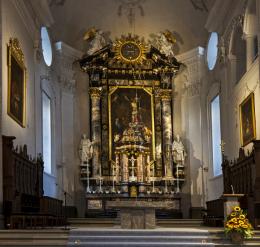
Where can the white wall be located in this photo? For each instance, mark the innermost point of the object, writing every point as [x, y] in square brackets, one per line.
[13, 26]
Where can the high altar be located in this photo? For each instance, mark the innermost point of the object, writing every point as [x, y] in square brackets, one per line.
[131, 126]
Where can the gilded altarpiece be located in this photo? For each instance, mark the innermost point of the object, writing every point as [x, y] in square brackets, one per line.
[131, 122]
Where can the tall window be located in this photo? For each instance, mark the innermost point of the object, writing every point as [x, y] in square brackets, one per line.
[216, 136]
[46, 131]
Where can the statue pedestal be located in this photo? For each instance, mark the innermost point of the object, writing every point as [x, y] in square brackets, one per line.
[230, 201]
[138, 214]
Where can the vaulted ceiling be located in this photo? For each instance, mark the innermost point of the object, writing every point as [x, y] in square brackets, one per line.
[185, 18]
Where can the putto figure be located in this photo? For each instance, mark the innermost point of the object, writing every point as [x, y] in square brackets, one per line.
[85, 149]
[178, 151]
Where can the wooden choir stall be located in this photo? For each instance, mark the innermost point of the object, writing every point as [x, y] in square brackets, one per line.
[241, 176]
[24, 204]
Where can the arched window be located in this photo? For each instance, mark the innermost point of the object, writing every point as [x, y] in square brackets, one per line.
[46, 46]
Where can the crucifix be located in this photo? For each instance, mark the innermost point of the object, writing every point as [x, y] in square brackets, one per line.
[132, 160]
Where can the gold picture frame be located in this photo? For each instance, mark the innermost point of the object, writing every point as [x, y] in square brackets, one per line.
[16, 105]
[247, 120]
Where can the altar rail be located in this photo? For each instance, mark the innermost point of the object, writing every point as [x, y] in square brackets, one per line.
[242, 176]
[23, 201]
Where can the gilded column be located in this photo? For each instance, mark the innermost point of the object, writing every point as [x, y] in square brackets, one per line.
[95, 95]
[166, 98]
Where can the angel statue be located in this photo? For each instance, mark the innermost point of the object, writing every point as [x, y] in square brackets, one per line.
[85, 149]
[178, 151]
[165, 42]
[96, 40]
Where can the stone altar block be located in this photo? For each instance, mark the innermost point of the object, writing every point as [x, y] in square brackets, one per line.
[230, 201]
[138, 214]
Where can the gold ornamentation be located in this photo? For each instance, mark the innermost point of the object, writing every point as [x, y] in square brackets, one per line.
[95, 92]
[129, 49]
[16, 105]
[14, 47]
[165, 94]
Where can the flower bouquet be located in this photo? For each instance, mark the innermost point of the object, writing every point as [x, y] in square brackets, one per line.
[238, 226]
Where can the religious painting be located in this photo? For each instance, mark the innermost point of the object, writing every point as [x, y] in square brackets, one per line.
[247, 120]
[130, 110]
[16, 83]
[94, 204]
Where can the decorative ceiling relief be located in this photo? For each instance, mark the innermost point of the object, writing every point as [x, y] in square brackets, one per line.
[130, 8]
[56, 2]
[200, 5]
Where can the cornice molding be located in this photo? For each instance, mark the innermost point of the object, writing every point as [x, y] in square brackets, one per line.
[68, 51]
[195, 53]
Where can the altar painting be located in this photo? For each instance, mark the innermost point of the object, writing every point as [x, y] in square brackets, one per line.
[129, 105]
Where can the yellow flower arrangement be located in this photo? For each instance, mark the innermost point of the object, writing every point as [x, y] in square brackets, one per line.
[237, 221]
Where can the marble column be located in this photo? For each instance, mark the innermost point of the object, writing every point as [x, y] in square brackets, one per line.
[95, 95]
[166, 98]
[158, 133]
[250, 50]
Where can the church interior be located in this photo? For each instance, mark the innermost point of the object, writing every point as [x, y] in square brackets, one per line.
[130, 123]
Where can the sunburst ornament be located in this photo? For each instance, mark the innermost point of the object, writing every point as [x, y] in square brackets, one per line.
[130, 50]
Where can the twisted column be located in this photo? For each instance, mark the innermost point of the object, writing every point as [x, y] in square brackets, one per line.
[95, 95]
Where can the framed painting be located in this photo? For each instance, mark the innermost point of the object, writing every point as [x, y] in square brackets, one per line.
[16, 104]
[247, 120]
[128, 105]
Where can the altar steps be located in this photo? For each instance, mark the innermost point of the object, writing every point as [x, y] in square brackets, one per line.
[113, 237]
[160, 237]
[109, 222]
[34, 238]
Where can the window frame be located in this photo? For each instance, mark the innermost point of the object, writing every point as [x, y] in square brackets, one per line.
[213, 93]
[43, 93]
[48, 90]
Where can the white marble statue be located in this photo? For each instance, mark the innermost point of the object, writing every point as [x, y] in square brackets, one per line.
[86, 149]
[165, 46]
[96, 40]
[178, 151]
